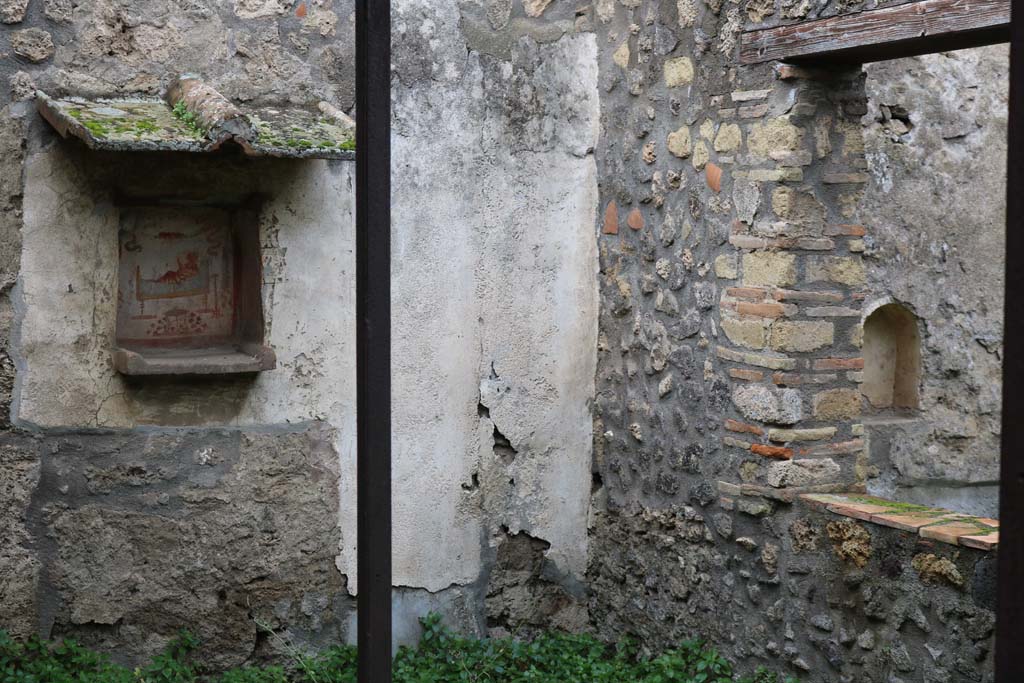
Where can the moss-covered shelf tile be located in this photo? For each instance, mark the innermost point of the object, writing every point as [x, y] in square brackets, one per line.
[121, 125]
[931, 523]
[299, 133]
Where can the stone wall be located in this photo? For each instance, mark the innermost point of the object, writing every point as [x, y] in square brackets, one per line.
[630, 279]
[249, 50]
[821, 597]
[734, 238]
[143, 506]
[935, 135]
[137, 534]
[732, 288]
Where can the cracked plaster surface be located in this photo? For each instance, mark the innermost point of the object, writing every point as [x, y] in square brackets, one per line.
[466, 240]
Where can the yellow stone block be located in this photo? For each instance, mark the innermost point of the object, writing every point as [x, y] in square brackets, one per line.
[678, 72]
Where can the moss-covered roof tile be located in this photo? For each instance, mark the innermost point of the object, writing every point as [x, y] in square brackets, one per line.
[193, 117]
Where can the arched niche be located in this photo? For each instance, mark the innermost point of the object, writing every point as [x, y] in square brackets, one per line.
[892, 358]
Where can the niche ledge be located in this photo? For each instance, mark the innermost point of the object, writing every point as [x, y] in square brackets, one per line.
[225, 360]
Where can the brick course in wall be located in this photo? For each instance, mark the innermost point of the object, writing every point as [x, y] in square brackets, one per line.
[797, 302]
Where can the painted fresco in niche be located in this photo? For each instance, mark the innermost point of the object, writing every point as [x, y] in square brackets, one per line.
[177, 280]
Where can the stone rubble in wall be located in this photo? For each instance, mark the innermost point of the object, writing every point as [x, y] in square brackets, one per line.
[827, 598]
[773, 169]
[122, 49]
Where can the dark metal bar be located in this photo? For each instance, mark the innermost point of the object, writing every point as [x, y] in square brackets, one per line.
[373, 336]
[1010, 607]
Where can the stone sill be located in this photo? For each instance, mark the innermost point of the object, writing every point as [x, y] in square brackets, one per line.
[935, 524]
[241, 359]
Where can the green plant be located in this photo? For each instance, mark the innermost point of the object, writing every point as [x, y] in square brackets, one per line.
[187, 117]
[173, 666]
[271, 674]
[36, 661]
[440, 657]
[762, 675]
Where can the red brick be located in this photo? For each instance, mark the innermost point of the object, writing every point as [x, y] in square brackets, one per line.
[611, 219]
[749, 375]
[714, 176]
[776, 452]
[752, 293]
[635, 219]
[742, 428]
[794, 378]
[748, 242]
[821, 501]
[951, 531]
[761, 310]
[981, 542]
[910, 521]
[862, 511]
[839, 364]
[846, 230]
[816, 297]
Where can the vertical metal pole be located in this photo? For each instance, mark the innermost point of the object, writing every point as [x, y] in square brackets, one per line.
[373, 337]
[1010, 622]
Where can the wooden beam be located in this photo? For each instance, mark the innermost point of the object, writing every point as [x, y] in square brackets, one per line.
[912, 28]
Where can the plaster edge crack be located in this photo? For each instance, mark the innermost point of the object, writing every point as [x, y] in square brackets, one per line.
[503, 448]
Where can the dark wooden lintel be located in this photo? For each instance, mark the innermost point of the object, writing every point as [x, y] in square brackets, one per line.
[900, 31]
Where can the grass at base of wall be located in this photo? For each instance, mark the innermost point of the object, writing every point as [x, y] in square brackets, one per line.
[440, 657]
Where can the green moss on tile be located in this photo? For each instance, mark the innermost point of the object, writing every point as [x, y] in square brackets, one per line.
[292, 131]
[897, 507]
[96, 128]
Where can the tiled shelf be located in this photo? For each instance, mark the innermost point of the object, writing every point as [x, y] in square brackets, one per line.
[936, 524]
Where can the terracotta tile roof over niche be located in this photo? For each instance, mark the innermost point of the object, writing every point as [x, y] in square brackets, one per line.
[193, 117]
[931, 523]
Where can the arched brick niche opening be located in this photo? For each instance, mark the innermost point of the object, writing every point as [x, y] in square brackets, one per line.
[892, 359]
